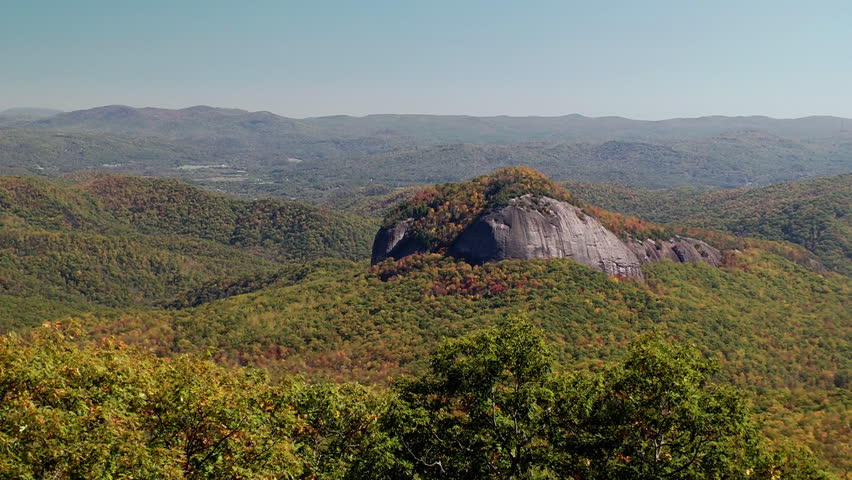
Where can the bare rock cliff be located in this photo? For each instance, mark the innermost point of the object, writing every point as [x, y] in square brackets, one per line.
[395, 242]
[542, 227]
[678, 249]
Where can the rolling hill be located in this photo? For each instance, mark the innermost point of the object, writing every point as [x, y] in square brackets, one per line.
[128, 241]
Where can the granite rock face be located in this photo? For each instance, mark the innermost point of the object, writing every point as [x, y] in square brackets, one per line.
[678, 249]
[395, 242]
[542, 227]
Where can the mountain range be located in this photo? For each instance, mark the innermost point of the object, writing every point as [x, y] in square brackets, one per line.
[425, 129]
[260, 153]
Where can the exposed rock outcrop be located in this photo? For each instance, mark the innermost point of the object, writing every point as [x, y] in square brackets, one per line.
[542, 227]
[678, 249]
[395, 242]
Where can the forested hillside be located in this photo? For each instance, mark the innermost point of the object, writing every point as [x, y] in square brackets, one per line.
[711, 162]
[172, 269]
[816, 214]
[492, 406]
[778, 330]
[123, 241]
[53, 153]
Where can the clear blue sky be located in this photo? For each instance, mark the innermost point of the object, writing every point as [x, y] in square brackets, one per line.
[641, 59]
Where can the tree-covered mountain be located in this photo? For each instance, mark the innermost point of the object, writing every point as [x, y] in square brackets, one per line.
[122, 241]
[426, 129]
[816, 214]
[259, 153]
[708, 162]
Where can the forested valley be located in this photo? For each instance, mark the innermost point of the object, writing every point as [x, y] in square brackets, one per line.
[260, 343]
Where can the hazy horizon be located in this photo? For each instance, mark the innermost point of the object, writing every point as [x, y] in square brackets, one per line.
[649, 61]
[24, 107]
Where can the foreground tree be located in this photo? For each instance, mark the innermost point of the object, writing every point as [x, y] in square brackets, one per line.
[109, 411]
[656, 415]
[337, 432]
[491, 407]
[483, 409]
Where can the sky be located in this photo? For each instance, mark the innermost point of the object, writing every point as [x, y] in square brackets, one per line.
[642, 59]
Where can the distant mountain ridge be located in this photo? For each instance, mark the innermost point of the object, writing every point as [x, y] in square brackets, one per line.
[30, 111]
[443, 128]
[263, 154]
[13, 116]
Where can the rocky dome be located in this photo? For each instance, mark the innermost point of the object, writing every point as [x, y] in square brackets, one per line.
[542, 227]
[518, 213]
